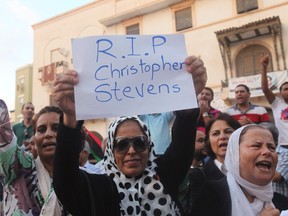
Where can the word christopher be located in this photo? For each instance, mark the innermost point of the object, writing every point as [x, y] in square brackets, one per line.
[135, 74]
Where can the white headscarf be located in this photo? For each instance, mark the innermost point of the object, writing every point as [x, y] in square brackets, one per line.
[144, 195]
[51, 206]
[263, 194]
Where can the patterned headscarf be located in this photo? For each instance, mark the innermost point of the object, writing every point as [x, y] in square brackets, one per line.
[6, 134]
[263, 194]
[139, 196]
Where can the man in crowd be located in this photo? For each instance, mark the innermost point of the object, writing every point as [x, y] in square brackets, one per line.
[186, 191]
[200, 149]
[24, 130]
[244, 111]
[159, 125]
[83, 159]
[279, 107]
[207, 112]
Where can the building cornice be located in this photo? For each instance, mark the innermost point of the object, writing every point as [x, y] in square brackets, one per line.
[138, 11]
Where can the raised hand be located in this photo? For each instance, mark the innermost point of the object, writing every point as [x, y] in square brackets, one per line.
[264, 60]
[270, 211]
[195, 66]
[63, 91]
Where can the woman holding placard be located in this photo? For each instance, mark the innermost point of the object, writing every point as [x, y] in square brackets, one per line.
[137, 183]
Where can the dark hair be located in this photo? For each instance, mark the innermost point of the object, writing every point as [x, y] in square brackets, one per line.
[209, 89]
[221, 117]
[25, 104]
[280, 88]
[47, 109]
[245, 86]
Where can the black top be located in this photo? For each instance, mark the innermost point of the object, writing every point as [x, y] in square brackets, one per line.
[214, 199]
[196, 179]
[70, 183]
[211, 171]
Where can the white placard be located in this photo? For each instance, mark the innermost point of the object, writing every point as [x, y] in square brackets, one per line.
[131, 75]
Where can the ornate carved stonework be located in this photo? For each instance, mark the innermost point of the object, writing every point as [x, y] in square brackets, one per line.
[270, 27]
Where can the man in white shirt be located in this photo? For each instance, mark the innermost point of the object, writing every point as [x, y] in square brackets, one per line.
[279, 107]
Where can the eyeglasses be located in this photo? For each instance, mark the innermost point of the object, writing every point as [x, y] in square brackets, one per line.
[122, 144]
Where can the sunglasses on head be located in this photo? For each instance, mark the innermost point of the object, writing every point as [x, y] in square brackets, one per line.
[122, 144]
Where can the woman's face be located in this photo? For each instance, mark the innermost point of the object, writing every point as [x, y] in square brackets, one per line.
[257, 156]
[131, 163]
[219, 135]
[45, 136]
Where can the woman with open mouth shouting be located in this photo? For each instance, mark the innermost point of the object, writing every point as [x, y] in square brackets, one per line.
[250, 161]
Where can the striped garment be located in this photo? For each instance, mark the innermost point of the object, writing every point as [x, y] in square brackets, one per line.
[255, 113]
[282, 168]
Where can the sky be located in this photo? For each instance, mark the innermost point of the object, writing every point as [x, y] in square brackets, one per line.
[16, 37]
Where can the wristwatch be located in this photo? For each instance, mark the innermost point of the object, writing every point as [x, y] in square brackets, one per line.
[205, 114]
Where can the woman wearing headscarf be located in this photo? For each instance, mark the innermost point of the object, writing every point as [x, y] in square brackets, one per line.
[136, 183]
[250, 162]
[218, 131]
[27, 181]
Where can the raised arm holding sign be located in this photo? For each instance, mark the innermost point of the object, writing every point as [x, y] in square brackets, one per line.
[149, 187]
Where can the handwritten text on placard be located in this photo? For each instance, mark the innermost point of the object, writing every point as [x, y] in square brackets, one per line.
[122, 75]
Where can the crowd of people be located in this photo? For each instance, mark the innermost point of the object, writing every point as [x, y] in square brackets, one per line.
[207, 163]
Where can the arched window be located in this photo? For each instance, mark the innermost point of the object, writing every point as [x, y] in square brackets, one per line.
[248, 61]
